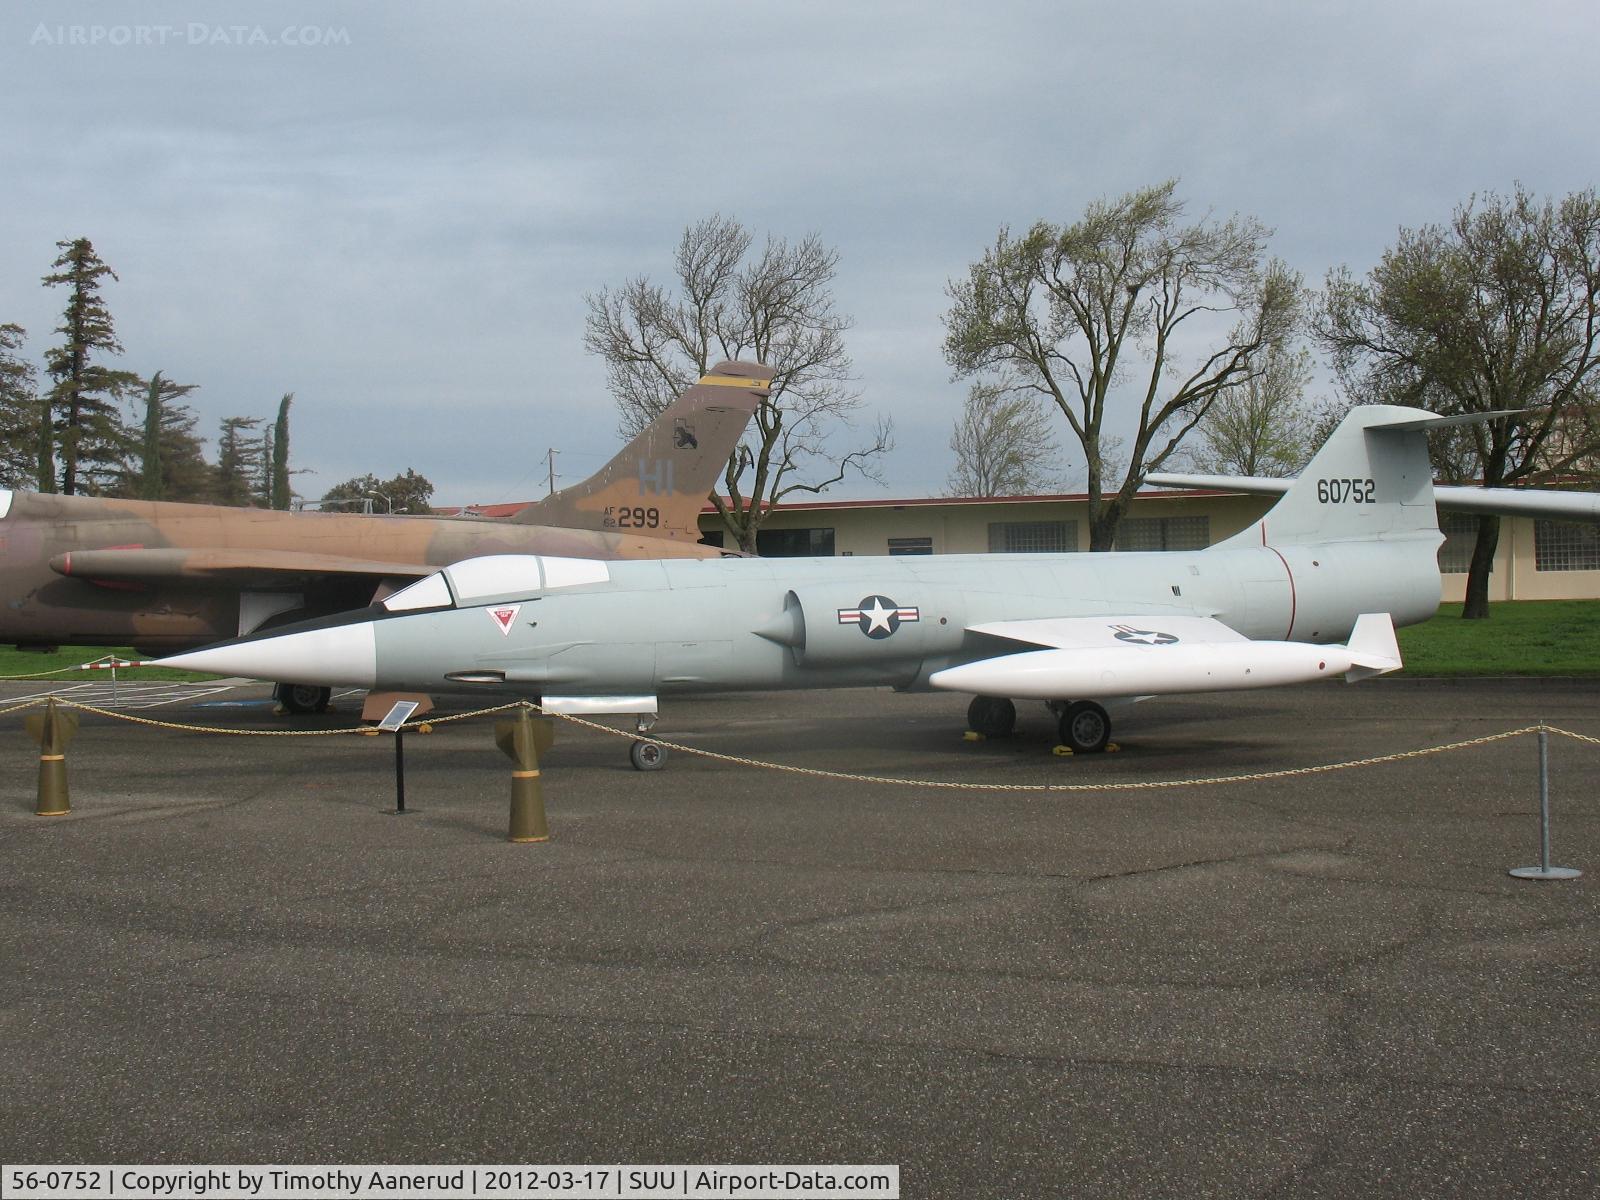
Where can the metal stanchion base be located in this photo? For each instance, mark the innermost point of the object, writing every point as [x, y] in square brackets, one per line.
[1545, 872]
[400, 812]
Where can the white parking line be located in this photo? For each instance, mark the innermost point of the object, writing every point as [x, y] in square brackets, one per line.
[124, 696]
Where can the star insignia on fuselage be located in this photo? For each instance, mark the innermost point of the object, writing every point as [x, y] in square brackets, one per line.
[878, 616]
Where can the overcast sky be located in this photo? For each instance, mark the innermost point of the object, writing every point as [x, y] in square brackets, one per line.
[399, 223]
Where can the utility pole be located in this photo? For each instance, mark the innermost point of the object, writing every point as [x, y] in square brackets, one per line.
[553, 476]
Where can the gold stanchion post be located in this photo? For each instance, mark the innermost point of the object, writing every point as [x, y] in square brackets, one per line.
[52, 729]
[523, 741]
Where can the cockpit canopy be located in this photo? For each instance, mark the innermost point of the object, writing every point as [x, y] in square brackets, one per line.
[495, 577]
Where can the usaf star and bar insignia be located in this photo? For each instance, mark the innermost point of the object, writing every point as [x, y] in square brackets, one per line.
[878, 616]
[1143, 637]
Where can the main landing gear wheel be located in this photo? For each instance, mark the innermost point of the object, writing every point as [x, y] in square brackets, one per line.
[1085, 727]
[302, 698]
[992, 716]
[647, 756]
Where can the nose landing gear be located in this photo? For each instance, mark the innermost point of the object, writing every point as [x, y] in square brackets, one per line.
[302, 698]
[644, 754]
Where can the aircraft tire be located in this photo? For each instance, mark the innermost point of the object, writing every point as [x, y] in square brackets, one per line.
[1085, 727]
[302, 698]
[647, 756]
[992, 716]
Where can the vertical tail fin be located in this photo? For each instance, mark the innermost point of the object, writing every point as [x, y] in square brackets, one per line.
[1370, 481]
[657, 485]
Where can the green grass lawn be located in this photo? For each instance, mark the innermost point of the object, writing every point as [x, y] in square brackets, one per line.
[14, 662]
[1531, 637]
[1524, 637]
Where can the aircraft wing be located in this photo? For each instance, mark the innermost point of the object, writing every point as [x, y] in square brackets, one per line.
[1108, 656]
[1085, 633]
[1505, 502]
[224, 568]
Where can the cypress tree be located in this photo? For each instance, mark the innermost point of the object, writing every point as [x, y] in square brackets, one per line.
[280, 456]
[151, 484]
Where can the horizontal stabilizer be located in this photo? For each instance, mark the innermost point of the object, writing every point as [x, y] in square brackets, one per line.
[1437, 422]
[1503, 502]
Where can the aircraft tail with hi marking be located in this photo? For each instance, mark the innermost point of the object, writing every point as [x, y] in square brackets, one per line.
[658, 483]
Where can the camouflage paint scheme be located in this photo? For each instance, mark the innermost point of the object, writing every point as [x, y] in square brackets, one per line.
[79, 570]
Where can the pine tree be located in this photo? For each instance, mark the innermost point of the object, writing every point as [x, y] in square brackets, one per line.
[19, 412]
[86, 416]
[45, 439]
[185, 473]
[172, 466]
[238, 462]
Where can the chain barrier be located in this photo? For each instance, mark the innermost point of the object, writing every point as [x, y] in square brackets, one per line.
[838, 776]
[1116, 786]
[151, 722]
[108, 662]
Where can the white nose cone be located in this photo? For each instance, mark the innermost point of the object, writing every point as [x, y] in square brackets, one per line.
[343, 654]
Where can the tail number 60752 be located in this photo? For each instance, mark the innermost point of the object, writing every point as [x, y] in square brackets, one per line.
[1345, 491]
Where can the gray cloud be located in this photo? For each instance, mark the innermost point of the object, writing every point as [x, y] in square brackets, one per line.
[401, 229]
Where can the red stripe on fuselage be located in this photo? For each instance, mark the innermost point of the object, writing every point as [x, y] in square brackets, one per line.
[1290, 574]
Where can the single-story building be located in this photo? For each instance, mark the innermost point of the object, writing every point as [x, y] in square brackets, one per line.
[1537, 559]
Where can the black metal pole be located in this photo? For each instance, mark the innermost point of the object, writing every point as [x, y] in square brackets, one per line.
[399, 770]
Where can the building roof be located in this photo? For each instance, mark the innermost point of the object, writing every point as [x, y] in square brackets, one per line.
[823, 504]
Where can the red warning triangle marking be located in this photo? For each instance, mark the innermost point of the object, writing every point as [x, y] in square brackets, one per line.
[504, 617]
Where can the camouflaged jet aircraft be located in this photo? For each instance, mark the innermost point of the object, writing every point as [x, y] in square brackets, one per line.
[78, 570]
[1348, 553]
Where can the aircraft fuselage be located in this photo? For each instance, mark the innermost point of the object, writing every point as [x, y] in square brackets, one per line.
[662, 628]
[44, 603]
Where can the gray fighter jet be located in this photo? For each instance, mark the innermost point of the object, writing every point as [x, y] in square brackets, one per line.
[1312, 590]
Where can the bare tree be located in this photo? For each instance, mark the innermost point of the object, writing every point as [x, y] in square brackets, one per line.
[1495, 311]
[1065, 308]
[1260, 426]
[731, 301]
[1003, 444]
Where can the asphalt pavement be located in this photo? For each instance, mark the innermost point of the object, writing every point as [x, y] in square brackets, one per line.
[231, 951]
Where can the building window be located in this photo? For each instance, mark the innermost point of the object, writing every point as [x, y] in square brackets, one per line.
[1032, 537]
[713, 537]
[1460, 536]
[794, 543]
[922, 545]
[1164, 533]
[1566, 546]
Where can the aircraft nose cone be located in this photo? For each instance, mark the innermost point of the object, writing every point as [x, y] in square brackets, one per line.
[345, 654]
